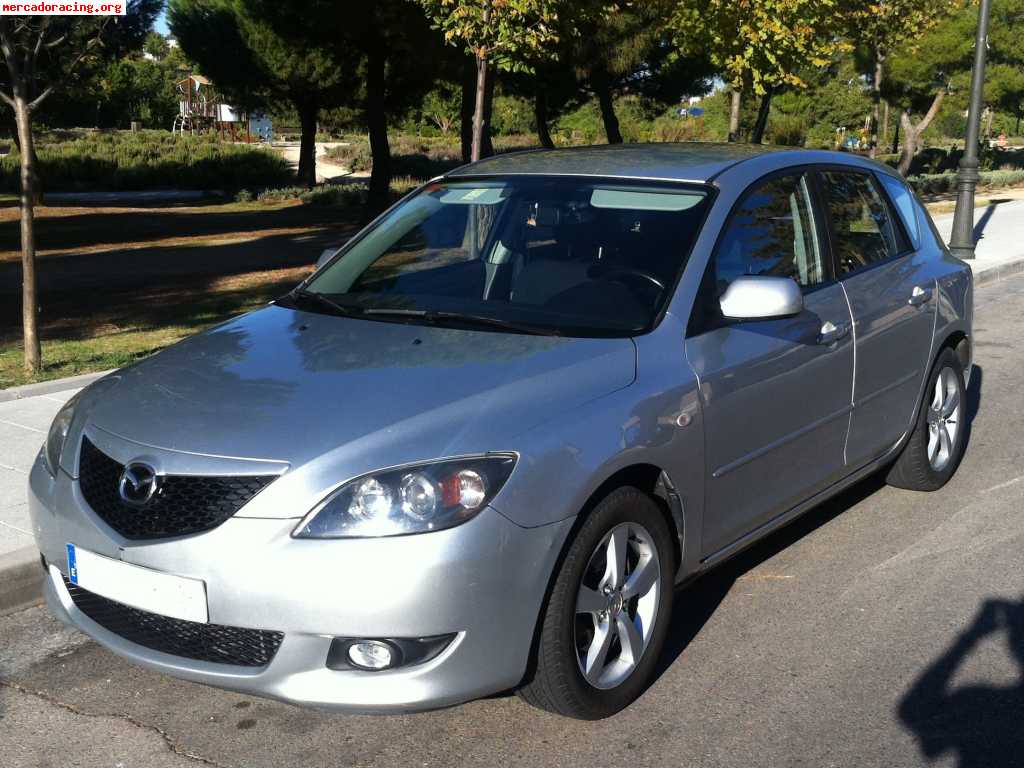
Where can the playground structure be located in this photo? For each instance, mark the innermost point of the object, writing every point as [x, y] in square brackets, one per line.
[201, 109]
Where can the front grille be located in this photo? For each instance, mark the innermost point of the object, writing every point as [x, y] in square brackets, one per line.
[189, 639]
[183, 504]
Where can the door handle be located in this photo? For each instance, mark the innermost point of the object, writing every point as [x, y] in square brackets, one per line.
[831, 333]
[920, 296]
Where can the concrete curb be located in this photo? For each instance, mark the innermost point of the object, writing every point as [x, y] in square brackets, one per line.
[994, 274]
[49, 387]
[21, 580]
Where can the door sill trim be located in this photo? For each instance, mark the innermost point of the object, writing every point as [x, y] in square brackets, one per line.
[788, 516]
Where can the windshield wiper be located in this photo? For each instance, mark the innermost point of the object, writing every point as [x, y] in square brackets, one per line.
[436, 316]
[323, 302]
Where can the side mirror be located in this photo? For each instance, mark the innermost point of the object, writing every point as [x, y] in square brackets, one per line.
[327, 255]
[759, 297]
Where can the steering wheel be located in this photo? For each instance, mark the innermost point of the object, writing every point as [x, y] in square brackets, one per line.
[626, 272]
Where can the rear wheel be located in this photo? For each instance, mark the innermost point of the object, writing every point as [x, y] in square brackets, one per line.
[605, 622]
[936, 446]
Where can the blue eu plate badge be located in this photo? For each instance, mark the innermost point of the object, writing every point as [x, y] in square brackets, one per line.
[72, 565]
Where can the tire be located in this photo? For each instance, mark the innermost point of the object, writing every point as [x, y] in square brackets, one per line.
[925, 465]
[556, 681]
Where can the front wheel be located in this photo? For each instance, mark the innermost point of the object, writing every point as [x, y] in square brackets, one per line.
[936, 446]
[606, 620]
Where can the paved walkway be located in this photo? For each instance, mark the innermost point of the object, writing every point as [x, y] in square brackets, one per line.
[23, 426]
[326, 171]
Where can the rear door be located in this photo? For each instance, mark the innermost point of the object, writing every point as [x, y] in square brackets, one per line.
[775, 393]
[893, 303]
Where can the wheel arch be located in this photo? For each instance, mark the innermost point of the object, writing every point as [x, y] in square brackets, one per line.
[654, 481]
[960, 343]
[647, 477]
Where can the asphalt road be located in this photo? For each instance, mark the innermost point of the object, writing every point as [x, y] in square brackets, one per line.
[884, 629]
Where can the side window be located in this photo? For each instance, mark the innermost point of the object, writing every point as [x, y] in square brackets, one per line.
[772, 232]
[904, 200]
[862, 228]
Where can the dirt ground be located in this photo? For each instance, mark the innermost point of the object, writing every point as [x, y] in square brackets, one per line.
[93, 258]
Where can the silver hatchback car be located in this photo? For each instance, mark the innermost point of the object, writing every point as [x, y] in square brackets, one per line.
[477, 449]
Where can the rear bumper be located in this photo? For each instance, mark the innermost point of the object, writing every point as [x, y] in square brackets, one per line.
[483, 581]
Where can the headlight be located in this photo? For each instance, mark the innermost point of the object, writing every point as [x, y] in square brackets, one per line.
[413, 499]
[58, 434]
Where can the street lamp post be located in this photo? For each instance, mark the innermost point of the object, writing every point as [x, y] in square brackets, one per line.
[961, 243]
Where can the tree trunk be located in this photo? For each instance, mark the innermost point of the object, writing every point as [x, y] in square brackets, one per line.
[885, 122]
[1016, 131]
[466, 111]
[912, 133]
[308, 113]
[734, 115]
[762, 117]
[540, 116]
[29, 300]
[876, 100]
[479, 97]
[988, 123]
[37, 185]
[379, 195]
[896, 138]
[487, 146]
[604, 99]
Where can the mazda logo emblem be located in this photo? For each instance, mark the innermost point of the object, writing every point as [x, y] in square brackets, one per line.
[138, 484]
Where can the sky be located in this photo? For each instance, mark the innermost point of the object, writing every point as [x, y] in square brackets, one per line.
[161, 25]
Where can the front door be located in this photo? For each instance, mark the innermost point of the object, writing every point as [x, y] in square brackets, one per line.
[776, 393]
[893, 305]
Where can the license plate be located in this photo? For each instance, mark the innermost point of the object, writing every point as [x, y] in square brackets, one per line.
[164, 593]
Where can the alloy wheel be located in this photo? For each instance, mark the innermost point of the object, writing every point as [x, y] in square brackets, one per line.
[617, 605]
[943, 419]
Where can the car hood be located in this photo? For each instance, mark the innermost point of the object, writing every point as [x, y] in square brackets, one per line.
[292, 386]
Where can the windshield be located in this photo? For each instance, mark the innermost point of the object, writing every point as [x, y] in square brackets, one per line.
[564, 256]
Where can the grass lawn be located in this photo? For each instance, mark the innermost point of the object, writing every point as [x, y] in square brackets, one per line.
[119, 283]
[138, 323]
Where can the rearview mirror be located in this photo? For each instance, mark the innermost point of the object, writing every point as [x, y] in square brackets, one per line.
[759, 297]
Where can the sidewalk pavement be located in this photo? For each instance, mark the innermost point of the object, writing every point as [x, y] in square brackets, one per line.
[26, 412]
[25, 416]
[999, 234]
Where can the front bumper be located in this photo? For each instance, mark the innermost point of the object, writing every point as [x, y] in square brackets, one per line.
[484, 581]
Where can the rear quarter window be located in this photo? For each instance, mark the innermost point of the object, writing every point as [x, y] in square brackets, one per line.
[905, 203]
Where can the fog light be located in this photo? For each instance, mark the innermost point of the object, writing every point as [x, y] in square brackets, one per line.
[347, 653]
[370, 654]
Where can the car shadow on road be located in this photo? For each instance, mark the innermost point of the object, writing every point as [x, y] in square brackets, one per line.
[980, 724]
[697, 601]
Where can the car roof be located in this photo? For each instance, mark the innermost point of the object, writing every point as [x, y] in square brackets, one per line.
[694, 161]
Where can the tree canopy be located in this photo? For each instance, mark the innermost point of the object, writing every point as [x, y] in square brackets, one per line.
[239, 45]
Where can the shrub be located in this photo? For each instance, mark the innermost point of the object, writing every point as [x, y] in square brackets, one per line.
[820, 136]
[581, 126]
[943, 183]
[353, 155]
[512, 115]
[788, 130]
[675, 128]
[347, 195]
[415, 156]
[121, 160]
